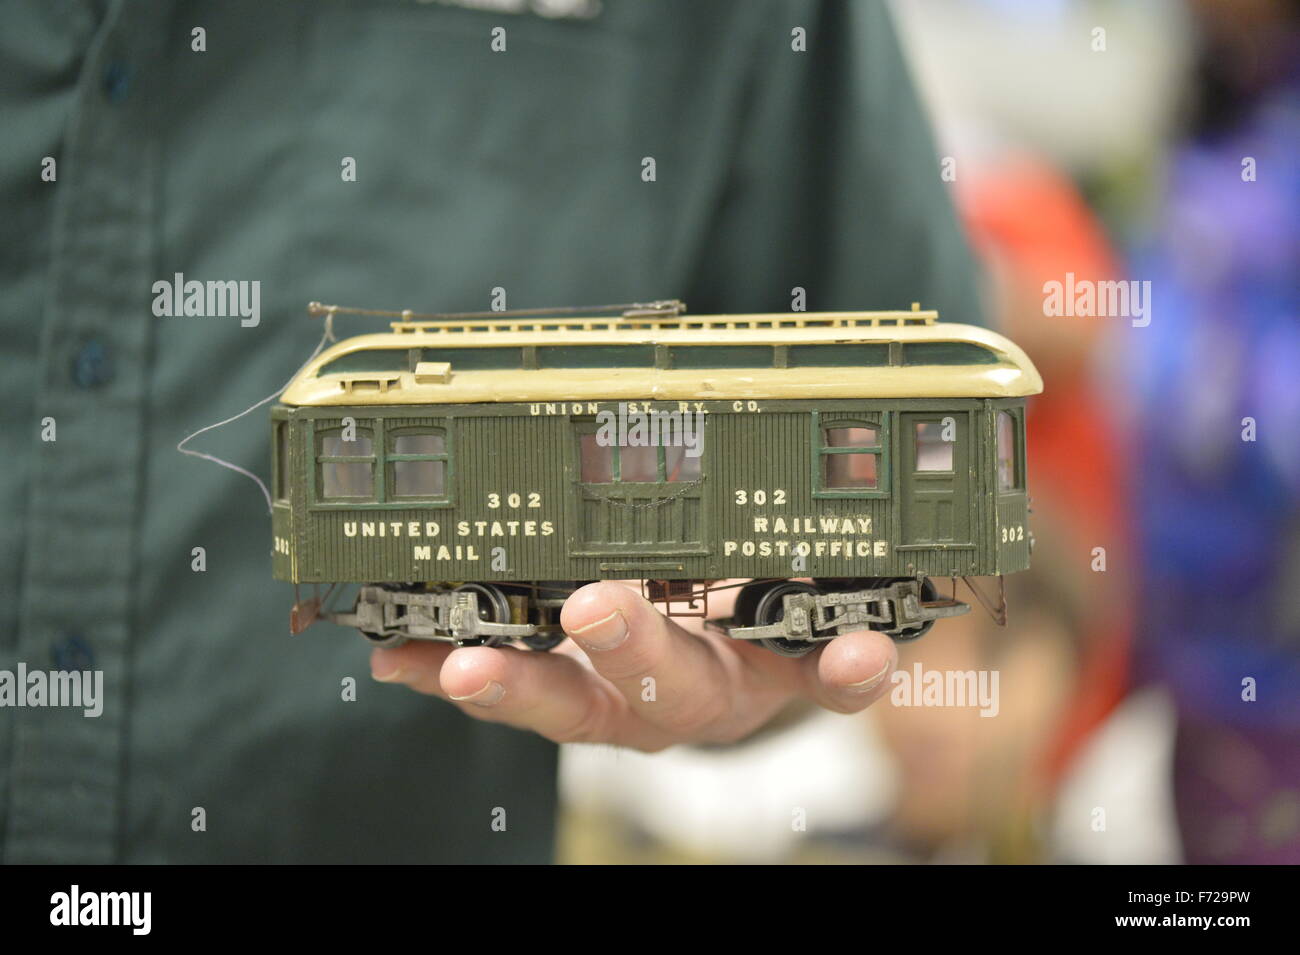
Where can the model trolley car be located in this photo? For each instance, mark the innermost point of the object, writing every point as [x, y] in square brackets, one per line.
[470, 472]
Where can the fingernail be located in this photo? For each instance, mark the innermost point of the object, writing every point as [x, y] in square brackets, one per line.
[604, 634]
[385, 670]
[490, 695]
[870, 683]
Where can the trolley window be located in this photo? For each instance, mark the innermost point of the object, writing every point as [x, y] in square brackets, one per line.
[281, 460]
[722, 356]
[346, 462]
[596, 356]
[602, 461]
[418, 461]
[1009, 472]
[947, 353]
[382, 463]
[477, 359]
[370, 359]
[849, 457]
[933, 447]
[838, 355]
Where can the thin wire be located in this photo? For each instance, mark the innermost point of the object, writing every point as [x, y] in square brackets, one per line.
[316, 308]
[327, 337]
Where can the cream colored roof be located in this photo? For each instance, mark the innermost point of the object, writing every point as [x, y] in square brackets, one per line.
[1013, 374]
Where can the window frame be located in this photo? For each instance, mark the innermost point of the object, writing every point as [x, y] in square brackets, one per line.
[281, 439]
[320, 459]
[392, 458]
[821, 422]
[586, 426]
[1019, 484]
[914, 465]
[382, 431]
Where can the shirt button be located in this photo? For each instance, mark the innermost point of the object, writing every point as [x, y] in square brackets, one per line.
[93, 365]
[117, 82]
[72, 652]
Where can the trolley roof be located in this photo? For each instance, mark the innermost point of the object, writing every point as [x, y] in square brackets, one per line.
[640, 355]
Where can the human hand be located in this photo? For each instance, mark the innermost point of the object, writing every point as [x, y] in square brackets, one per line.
[632, 677]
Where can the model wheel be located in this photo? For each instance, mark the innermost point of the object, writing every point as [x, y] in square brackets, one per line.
[743, 614]
[493, 607]
[379, 640]
[389, 641]
[770, 609]
[928, 593]
[544, 641]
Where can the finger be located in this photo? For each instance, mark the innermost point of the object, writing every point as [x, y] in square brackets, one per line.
[670, 678]
[554, 695]
[851, 672]
[551, 694]
[414, 664]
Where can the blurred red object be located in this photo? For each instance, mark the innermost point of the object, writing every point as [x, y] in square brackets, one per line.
[1030, 225]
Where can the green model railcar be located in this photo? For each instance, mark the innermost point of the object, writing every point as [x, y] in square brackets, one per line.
[471, 473]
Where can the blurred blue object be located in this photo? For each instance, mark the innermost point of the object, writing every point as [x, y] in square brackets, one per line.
[1219, 514]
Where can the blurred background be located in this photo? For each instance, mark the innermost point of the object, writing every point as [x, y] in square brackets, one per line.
[1149, 675]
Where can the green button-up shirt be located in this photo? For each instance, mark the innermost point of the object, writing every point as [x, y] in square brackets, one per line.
[476, 168]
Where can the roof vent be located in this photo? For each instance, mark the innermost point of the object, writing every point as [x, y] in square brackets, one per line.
[432, 372]
[369, 381]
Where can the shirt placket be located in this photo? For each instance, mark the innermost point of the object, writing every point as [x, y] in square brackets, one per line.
[81, 549]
